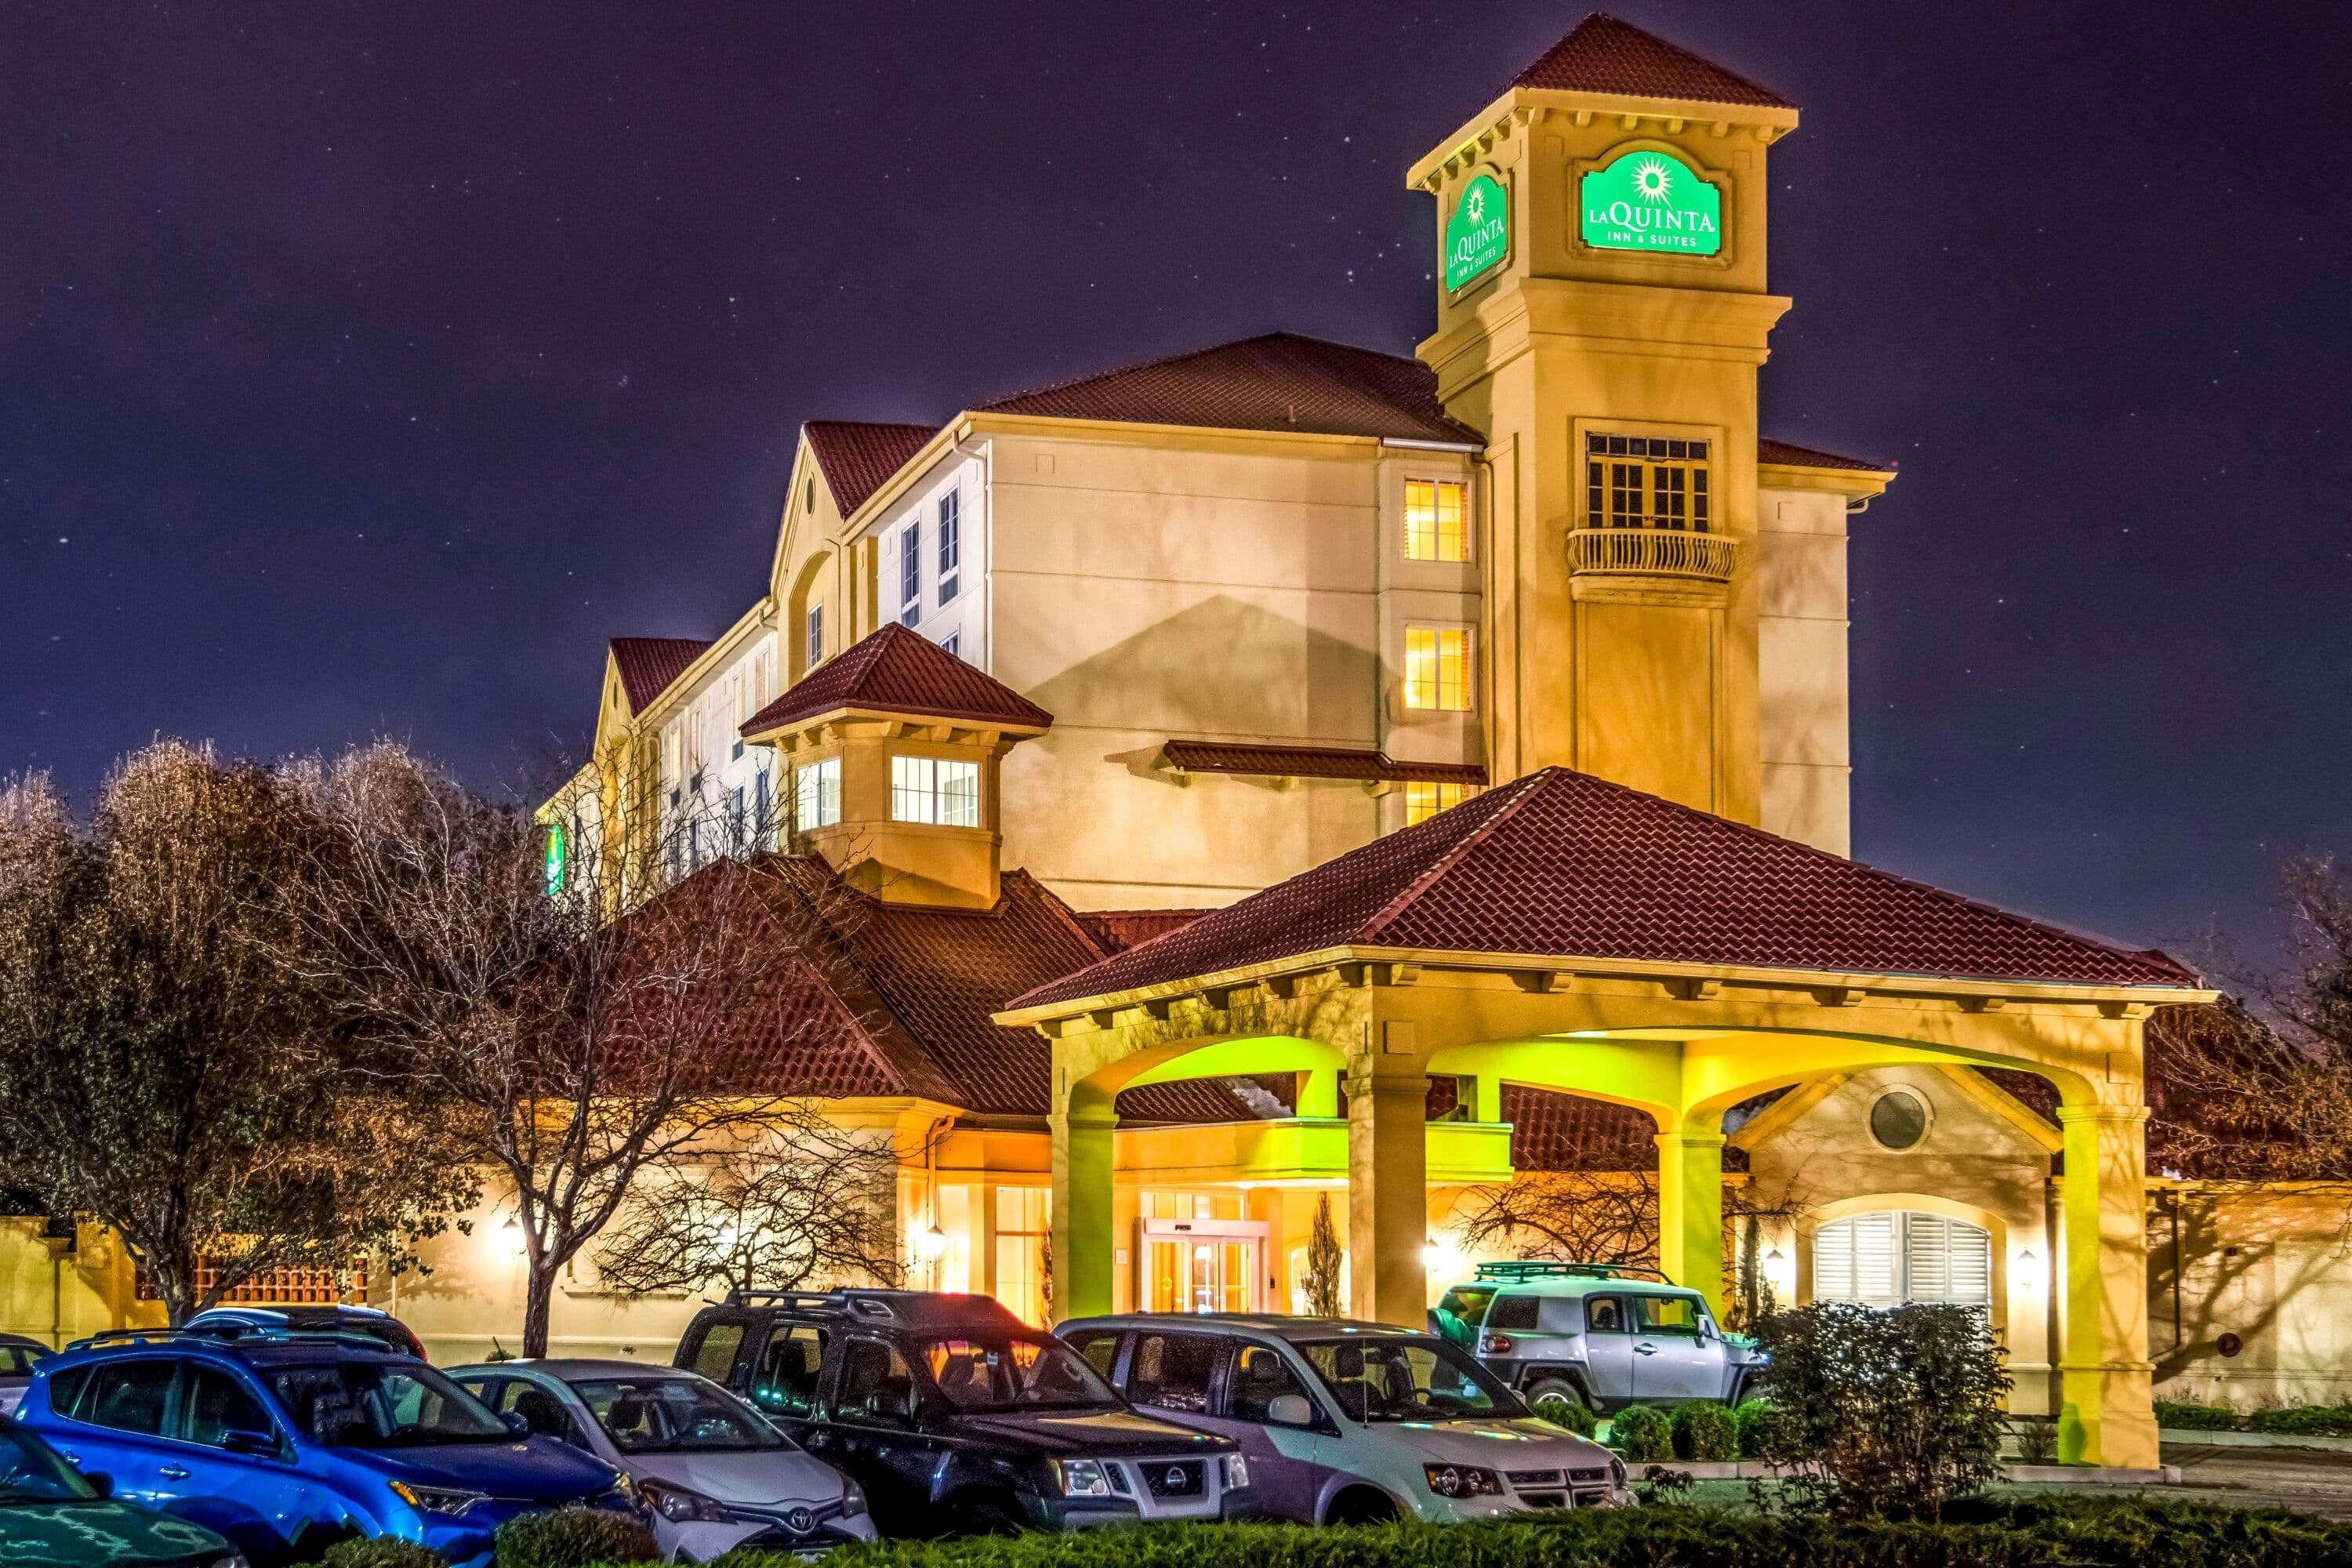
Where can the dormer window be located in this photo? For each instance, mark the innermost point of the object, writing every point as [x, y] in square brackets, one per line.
[935, 790]
[1646, 481]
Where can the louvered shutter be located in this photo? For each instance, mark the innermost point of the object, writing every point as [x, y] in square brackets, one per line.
[1833, 1262]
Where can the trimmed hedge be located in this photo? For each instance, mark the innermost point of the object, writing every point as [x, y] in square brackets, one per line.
[1644, 1433]
[2297, 1420]
[2030, 1533]
[1705, 1429]
[1751, 1422]
[574, 1537]
[381, 1551]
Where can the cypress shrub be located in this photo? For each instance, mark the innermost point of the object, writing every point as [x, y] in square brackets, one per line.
[1705, 1429]
[1644, 1433]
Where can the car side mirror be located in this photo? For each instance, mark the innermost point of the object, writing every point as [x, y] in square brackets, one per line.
[264, 1443]
[1290, 1410]
[515, 1423]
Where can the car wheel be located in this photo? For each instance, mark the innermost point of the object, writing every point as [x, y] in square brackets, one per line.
[1362, 1505]
[1560, 1402]
[986, 1516]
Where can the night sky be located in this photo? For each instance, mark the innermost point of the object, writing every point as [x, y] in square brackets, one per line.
[363, 368]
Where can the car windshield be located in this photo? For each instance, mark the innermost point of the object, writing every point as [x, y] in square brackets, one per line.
[673, 1415]
[1421, 1379]
[373, 1405]
[1008, 1374]
[32, 1471]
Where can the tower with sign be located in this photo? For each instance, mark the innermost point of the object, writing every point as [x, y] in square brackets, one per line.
[1603, 315]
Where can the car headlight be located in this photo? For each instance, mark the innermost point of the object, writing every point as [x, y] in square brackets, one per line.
[449, 1502]
[1082, 1478]
[1236, 1472]
[853, 1498]
[1462, 1480]
[680, 1505]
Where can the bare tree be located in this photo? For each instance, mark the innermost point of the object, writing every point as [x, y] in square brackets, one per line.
[1590, 1214]
[576, 1049]
[159, 1071]
[1321, 1279]
[766, 1208]
[2261, 1089]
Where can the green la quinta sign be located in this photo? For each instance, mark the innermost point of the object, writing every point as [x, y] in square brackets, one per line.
[1651, 201]
[1478, 235]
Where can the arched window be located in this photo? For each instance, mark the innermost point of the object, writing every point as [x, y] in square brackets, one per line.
[1887, 1259]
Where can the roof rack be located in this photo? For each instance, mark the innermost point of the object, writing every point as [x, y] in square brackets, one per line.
[1551, 1269]
[231, 1333]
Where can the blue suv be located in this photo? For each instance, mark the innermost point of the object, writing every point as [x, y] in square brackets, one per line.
[286, 1443]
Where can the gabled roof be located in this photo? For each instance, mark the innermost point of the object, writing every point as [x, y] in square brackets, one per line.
[1603, 55]
[1312, 762]
[1790, 455]
[1280, 380]
[1561, 864]
[648, 665]
[858, 458]
[895, 671]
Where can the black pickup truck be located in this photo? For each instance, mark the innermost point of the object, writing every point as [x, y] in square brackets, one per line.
[956, 1417]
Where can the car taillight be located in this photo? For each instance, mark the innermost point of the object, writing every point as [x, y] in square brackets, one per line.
[1494, 1344]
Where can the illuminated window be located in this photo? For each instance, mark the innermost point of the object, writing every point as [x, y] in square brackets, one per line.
[1423, 800]
[1646, 481]
[1435, 522]
[911, 573]
[935, 790]
[950, 544]
[816, 635]
[819, 787]
[1437, 669]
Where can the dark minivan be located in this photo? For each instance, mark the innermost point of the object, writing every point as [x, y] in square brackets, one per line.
[957, 1417]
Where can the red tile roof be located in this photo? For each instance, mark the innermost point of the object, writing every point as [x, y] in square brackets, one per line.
[1603, 55]
[1277, 382]
[1790, 455]
[895, 671]
[648, 665]
[925, 983]
[858, 458]
[1565, 865]
[1116, 930]
[1312, 762]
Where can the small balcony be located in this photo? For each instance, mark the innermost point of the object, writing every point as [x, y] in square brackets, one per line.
[1677, 554]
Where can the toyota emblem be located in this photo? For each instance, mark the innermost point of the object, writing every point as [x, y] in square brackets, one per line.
[799, 1521]
[1175, 1478]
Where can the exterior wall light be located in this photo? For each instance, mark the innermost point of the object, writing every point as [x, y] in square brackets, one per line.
[932, 1244]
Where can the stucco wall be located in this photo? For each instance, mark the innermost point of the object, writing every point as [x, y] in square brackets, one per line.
[1800, 561]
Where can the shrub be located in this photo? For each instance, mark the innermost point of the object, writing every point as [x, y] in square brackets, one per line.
[1572, 1413]
[574, 1537]
[2183, 1417]
[1750, 1423]
[2037, 1440]
[1996, 1532]
[1890, 1414]
[381, 1551]
[1705, 1429]
[2308, 1420]
[1643, 1433]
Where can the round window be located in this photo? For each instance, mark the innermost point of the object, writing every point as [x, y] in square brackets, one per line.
[1898, 1121]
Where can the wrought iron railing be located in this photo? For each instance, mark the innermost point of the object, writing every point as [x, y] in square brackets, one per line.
[1651, 552]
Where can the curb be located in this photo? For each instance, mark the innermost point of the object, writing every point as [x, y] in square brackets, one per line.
[2256, 1440]
[2028, 1474]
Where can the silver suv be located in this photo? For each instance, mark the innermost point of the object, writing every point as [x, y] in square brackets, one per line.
[1589, 1335]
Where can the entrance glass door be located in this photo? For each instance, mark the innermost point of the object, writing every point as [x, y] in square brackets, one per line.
[1201, 1265]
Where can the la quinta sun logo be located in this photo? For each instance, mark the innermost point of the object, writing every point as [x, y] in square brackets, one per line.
[1651, 201]
[1478, 235]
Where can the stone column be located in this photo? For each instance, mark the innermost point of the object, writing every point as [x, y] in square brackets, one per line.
[1388, 1189]
[1690, 1210]
[2107, 1413]
[1085, 1241]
